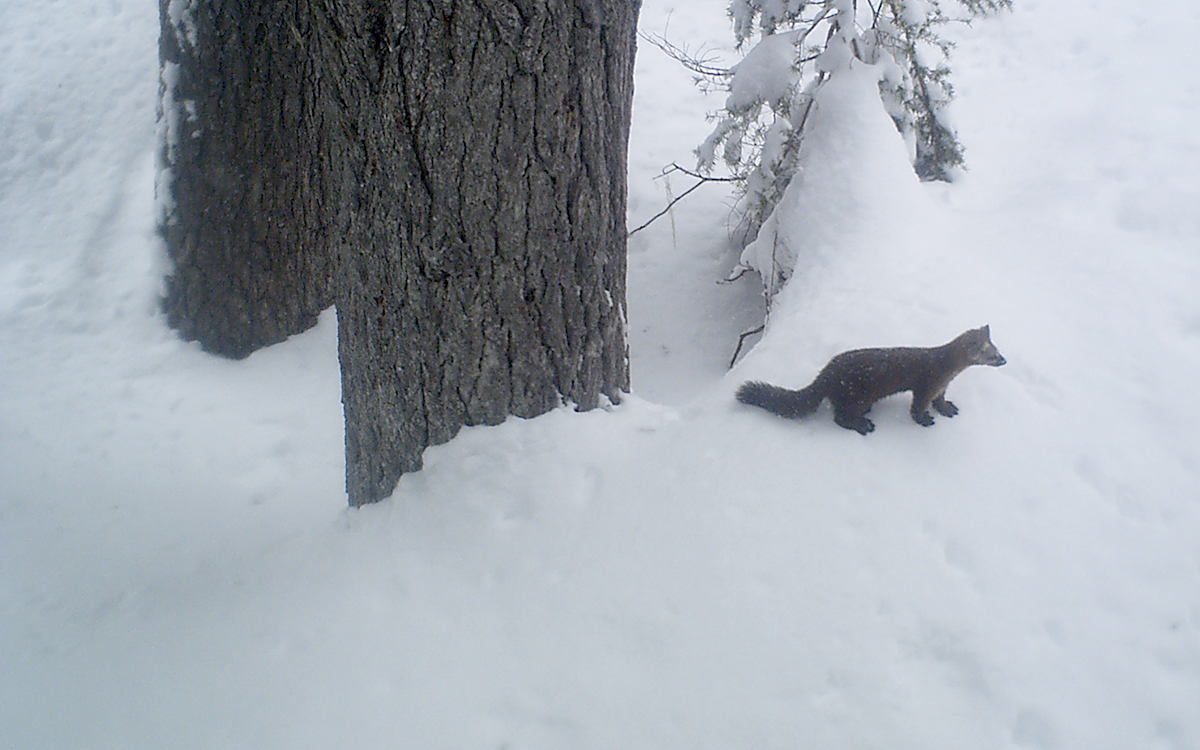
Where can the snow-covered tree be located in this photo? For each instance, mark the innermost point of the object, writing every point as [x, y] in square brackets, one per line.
[796, 47]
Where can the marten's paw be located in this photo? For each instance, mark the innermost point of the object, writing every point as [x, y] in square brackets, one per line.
[861, 425]
[945, 408]
[923, 418]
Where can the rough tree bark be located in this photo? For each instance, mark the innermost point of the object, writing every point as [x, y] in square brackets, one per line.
[481, 261]
[244, 185]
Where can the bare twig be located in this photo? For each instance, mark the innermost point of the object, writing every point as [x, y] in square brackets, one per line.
[742, 340]
[738, 272]
[702, 66]
[698, 175]
[676, 168]
[663, 212]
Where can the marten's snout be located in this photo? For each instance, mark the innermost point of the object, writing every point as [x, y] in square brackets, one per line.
[989, 355]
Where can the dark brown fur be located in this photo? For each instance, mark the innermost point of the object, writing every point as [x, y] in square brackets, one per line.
[854, 380]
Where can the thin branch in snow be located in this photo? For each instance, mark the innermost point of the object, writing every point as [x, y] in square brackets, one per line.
[742, 340]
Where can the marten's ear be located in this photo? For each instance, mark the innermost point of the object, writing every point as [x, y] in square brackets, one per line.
[986, 330]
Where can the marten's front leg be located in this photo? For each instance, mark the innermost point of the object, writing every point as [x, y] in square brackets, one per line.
[944, 407]
[920, 410]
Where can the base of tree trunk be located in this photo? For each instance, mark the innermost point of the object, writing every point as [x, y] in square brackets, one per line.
[481, 273]
[245, 174]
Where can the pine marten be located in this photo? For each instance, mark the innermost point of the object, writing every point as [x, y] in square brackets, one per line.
[854, 380]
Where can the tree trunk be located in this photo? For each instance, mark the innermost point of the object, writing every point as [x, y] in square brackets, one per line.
[245, 163]
[481, 254]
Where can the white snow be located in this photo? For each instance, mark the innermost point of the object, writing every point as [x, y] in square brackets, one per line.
[852, 184]
[178, 567]
[764, 74]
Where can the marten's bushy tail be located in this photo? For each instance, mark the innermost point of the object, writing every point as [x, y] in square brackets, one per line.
[782, 401]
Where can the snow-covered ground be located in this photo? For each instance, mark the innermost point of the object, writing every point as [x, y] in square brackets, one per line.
[178, 567]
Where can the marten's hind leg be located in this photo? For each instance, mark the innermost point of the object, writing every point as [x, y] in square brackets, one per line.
[853, 417]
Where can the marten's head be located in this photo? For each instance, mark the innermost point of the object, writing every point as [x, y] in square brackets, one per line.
[977, 345]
